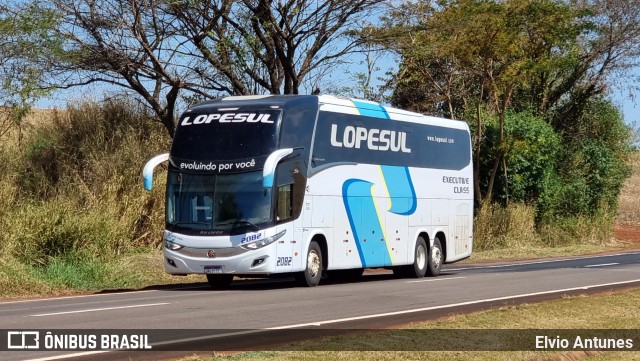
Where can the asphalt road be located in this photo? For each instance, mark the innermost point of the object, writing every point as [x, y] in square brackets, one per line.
[377, 301]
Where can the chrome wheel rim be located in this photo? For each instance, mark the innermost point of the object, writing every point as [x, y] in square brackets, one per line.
[421, 257]
[436, 257]
[313, 264]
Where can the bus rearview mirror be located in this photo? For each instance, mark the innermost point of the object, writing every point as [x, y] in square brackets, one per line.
[147, 171]
[270, 164]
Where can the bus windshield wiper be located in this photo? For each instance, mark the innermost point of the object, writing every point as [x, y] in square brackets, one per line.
[235, 222]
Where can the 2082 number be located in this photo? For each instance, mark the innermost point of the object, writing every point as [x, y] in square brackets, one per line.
[283, 261]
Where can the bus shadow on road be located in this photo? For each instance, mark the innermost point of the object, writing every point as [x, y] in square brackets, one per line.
[277, 283]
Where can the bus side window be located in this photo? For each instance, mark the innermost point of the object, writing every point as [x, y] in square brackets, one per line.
[285, 203]
[290, 188]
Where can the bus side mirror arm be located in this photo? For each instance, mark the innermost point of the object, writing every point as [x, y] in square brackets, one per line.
[147, 171]
[270, 164]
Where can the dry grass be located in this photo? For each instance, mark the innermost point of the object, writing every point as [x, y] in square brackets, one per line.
[629, 202]
[496, 227]
[71, 202]
[513, 228]
[15, 136]
[535, 252]
[41, 116]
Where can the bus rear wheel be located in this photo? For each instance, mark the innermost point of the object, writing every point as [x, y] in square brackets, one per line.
[420, 262]
[219, 282]
[312, 273]
[436, 259]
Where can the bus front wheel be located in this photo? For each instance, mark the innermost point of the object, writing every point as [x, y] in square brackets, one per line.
[313, 270]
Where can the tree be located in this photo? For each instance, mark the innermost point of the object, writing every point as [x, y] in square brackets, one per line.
[266, 45]
[595, 158]
[602, 49]
[461, 57]
[369, 84]
[161, 50]
[21, 37]
[125, 44]
[532, 150]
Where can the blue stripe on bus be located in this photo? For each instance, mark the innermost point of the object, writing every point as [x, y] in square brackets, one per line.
[364, 222]
[359, 202]
[371, 110]
[398, 179]
[400, 187]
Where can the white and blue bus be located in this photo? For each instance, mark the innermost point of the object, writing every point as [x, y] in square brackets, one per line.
[310, 185]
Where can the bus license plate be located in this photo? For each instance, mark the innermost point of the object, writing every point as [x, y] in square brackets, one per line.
[212, 269]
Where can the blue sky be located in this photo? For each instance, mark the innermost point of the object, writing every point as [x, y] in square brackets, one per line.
[630, 107]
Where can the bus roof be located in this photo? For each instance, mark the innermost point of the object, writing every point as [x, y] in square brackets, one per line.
[332, 103]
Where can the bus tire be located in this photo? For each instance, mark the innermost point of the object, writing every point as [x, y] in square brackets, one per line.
[420, 261]
[312, 273]
[219, 282]
[435, 259]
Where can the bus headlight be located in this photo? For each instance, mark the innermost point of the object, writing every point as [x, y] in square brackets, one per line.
[263, 242]
[171, 245]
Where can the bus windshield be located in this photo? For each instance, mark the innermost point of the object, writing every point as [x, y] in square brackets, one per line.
[207, 202]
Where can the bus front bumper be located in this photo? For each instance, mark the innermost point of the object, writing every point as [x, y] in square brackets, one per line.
[234, 260]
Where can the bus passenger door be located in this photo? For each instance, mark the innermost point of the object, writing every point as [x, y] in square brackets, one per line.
[290, 190]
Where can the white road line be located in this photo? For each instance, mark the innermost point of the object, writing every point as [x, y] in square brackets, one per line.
[435, 279]
[538, 262]
[327, 322]
[454, 305]
[62, 357]
[77, 296]
[601, 265]
[99, 309]
[104, 294]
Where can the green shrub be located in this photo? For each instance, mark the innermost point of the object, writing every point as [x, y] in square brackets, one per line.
[531, 148]
[38, 232]
[570, 182]
[573, 174]
[593, 164]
